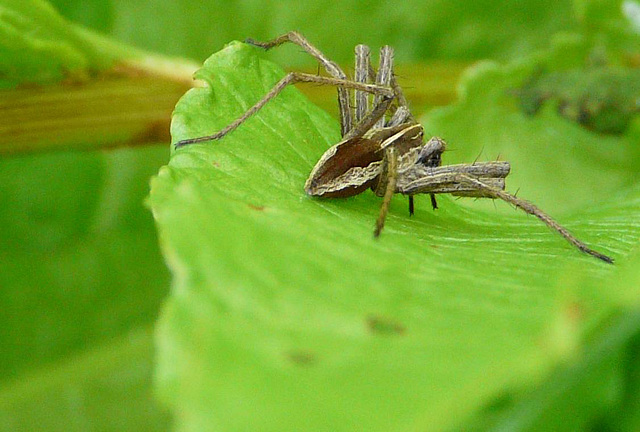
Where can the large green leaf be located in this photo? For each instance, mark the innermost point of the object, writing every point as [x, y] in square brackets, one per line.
[287, 313]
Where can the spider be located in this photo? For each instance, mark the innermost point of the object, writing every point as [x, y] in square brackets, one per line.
[383, 147]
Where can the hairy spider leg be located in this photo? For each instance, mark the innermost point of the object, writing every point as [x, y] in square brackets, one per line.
[489, 187]
[338, 79]
[367, 119]
[401, 115]
[361, 75]
[290, 78]
[383, 77]
[390, 171]
[386, 77]
[332, 68]
[531, 209]
[389, 174]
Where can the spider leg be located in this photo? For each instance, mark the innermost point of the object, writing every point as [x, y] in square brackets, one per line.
[434, 203]
[363, 73]
[390, 173]
[402, 100]
[402, 115]
[375, 117]
[291, 78]
[331, 67]
[386, 77]
[383, 77]
[531, 209]
[399, 94]
[363, 66]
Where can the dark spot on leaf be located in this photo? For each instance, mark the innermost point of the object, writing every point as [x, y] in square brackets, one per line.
[574, 311]
[302, 358]
[256, 207]
[215, 164]
[385, 326]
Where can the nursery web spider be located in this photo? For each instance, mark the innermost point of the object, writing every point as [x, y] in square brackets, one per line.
[383, 146]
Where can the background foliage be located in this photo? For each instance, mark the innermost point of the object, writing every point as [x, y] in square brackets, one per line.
[82, 279]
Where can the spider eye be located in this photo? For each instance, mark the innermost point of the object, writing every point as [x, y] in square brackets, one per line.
[430, 159]
[431, 152]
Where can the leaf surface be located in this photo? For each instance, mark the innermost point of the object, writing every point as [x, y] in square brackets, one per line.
[286, 312]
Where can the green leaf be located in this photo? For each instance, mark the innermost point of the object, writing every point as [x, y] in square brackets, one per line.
[598, 389]
[613, 23]
[82, 280]
[287, 313]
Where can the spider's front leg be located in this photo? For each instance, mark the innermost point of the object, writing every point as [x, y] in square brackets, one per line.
[332, 68]
[386, 77]
[290, 78]
[386, 186]
[374, 119]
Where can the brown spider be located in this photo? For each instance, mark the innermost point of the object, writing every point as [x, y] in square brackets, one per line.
[383, 146]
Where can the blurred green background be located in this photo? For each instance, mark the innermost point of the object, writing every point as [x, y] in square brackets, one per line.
[81, 276]
[416, 29]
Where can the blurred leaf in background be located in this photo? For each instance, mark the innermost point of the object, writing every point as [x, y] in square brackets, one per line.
[80, 271]
[417, 29]
[556, 162]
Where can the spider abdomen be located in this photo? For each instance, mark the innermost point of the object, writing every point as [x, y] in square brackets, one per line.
[346, 169]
